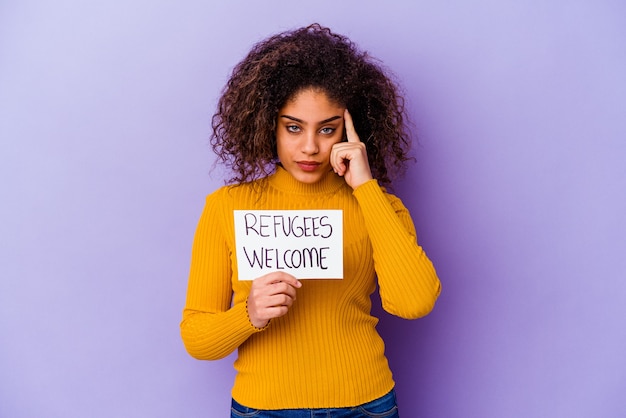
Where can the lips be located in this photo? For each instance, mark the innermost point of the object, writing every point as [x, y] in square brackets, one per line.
[308, 165]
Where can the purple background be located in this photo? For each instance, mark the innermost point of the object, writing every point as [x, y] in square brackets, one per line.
[519, 197]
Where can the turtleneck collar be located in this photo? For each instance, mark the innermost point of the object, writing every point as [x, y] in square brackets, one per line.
[285, 182]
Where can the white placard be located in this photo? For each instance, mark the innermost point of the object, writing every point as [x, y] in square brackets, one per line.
[305, 243]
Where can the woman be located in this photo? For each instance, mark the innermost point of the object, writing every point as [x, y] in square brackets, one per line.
[308, 121]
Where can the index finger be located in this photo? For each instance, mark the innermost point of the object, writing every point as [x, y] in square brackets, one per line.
[349, 125]
[280, 276]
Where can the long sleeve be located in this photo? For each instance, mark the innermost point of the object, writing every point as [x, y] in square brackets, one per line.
[408, 283]
[211, 328]
[325, 352]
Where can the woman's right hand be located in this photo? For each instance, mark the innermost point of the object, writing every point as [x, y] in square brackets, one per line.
[271, 296]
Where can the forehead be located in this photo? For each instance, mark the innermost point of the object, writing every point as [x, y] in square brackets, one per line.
[310, 103]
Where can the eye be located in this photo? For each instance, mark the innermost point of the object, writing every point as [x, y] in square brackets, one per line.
[327, 131]
[293, 128]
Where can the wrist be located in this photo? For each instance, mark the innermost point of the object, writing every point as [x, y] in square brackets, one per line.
[256, 323]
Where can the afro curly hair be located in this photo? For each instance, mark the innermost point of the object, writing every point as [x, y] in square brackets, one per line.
[278, 68]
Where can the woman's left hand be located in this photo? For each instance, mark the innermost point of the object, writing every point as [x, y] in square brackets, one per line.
[349, 159]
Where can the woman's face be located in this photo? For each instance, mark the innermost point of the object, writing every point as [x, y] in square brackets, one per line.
[307, 128]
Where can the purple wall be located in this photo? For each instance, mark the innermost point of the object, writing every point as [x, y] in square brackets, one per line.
[519, 197]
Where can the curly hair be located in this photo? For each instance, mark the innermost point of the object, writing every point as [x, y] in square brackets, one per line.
[281, 66]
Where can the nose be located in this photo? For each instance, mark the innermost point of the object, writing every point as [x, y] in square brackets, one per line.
[309, 144]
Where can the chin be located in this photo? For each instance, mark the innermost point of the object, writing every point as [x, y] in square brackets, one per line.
[309, 178]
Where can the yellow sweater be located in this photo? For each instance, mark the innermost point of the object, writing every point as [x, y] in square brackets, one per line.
[326, 351]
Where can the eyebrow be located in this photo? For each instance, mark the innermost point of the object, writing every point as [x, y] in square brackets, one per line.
[301, 121]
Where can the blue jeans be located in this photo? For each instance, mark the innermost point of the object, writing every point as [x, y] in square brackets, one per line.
[384, 407]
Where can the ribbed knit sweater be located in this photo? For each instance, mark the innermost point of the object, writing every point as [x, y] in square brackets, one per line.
[325, 352]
